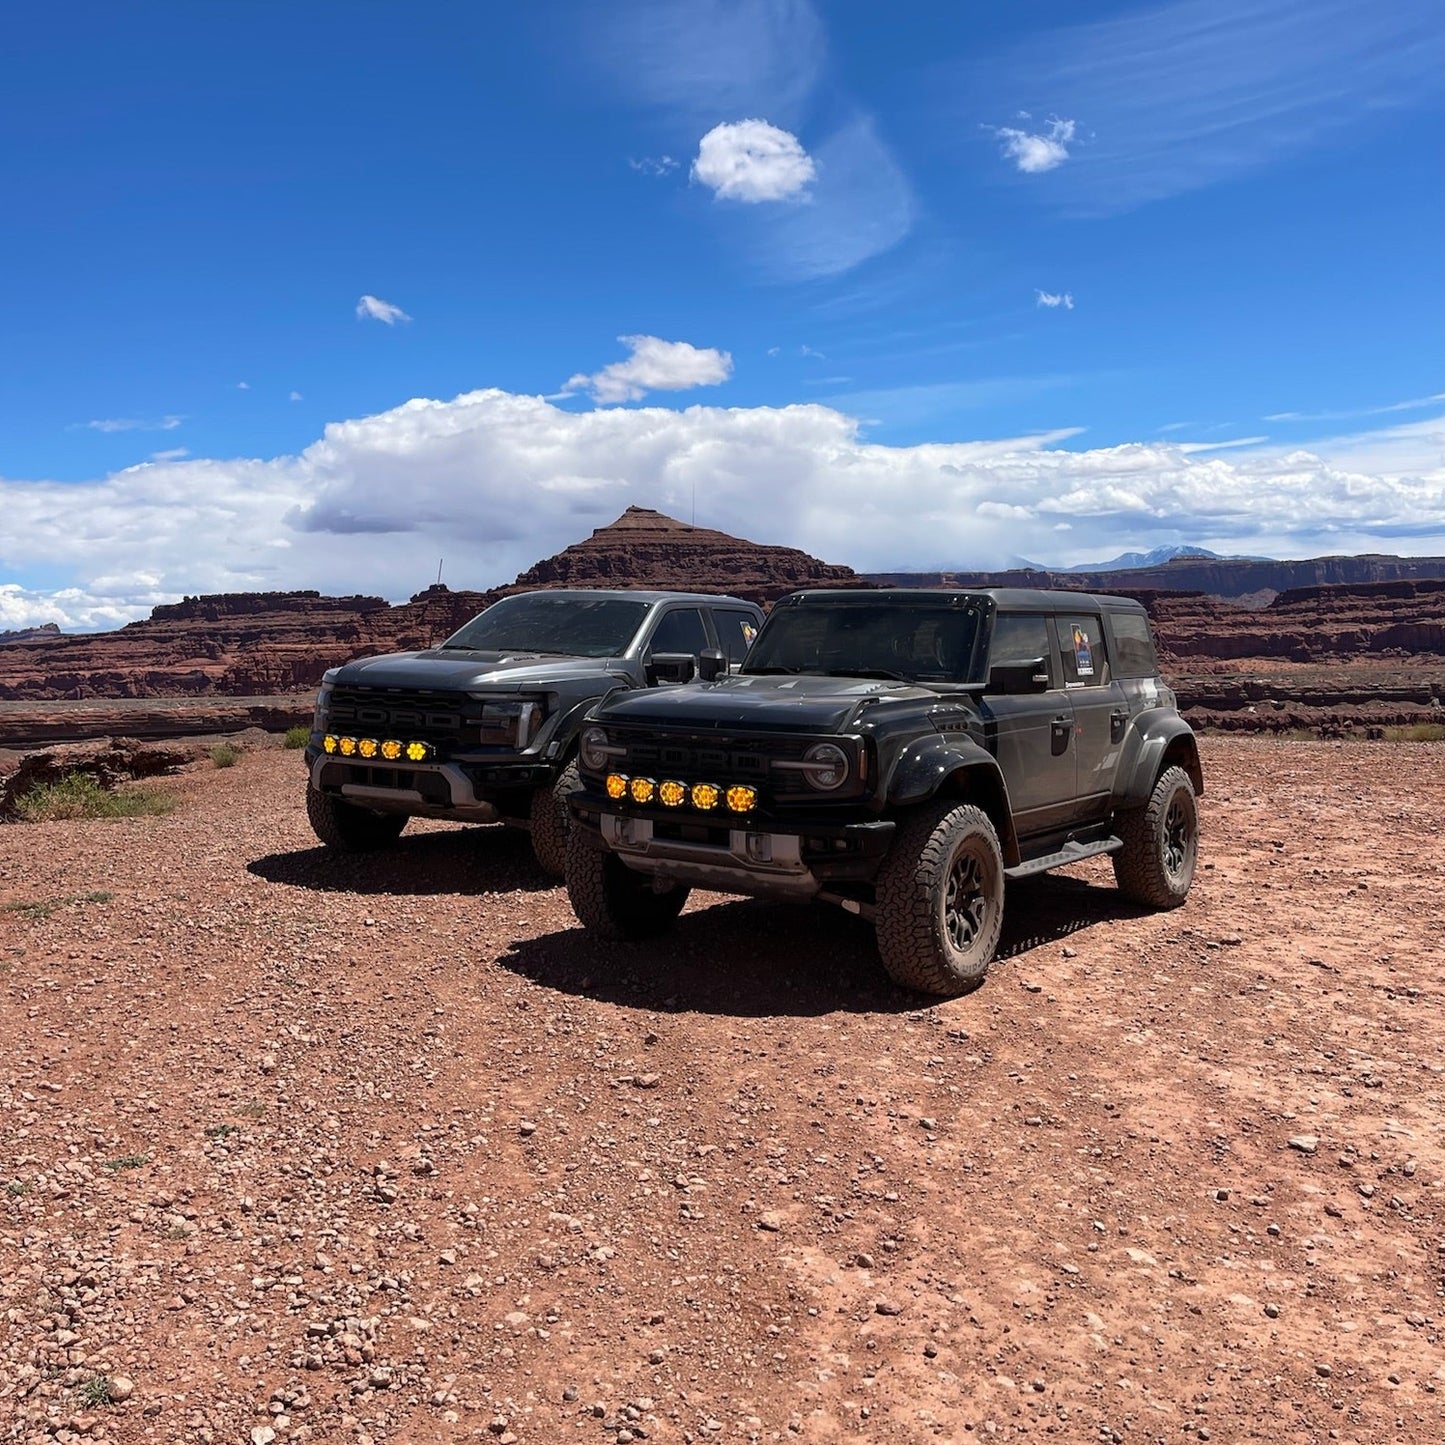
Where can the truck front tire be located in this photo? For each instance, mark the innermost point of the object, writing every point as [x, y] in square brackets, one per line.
[1161, 844]
[939, 893]
[551, 822]
[614, 902]
[348, 828]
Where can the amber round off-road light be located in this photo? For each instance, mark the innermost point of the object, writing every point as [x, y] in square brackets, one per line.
[391, 750]
[741, 799]
[672, 795]
[705, 796]
[330, 742]
[616, 786]
[416, 752]
[348, 746]
[367, 747]
[642, 790]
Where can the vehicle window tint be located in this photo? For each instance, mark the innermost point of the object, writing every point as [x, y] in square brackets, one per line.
[1021, 637]
[1133, 647]
[1081, 640]
[681, 630]
[735, 631]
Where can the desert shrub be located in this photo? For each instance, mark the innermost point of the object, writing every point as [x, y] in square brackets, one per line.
[79, 795]
[1417, 733]
[224, 755]
[297, 737]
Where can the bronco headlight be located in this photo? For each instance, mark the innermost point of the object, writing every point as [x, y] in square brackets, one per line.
[513, 723]
[826, 767]
[594, 750]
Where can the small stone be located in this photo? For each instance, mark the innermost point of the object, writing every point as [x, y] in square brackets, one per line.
[122, 1387]
[268, 1066]
[1070, 952]
[887, 1307]
[926, 1123]
[770, 1221]
[863, 1261]
[1220, 1196]
[647, 1081]
[570, 1393]
[526, 1128]
[656, 1357]
[1033, 1121]
[262, 1435]
[1367, 1190]
[1323, 1371]
[1305, 1143]
[930, 1351]
[1272, 1311]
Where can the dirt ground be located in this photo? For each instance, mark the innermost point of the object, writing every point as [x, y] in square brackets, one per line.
[299, 1147]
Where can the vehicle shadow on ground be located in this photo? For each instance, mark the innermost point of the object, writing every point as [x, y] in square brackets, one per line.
[458, 860]
[749, 959]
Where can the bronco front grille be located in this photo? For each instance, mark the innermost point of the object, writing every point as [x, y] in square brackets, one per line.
[726, 760]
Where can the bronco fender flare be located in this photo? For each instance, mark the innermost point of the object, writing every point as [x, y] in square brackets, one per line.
[937, 768]
[1159, 738]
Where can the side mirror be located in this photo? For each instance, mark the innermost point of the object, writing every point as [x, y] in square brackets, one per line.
[712, 663]
[1019, 677]
[667, 667]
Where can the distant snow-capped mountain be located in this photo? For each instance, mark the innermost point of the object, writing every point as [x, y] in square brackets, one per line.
[1126, 561]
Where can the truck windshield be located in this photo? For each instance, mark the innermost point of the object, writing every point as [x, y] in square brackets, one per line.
[559, 626]
[925, 644]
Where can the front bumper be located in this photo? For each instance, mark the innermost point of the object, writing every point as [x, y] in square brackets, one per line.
[762, 858]
[461, 792]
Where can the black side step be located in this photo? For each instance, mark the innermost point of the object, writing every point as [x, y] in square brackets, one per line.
[1069, 853]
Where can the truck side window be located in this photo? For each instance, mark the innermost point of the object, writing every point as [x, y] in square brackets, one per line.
[681, 630]
[735, 631]
[1081, 640]
[1133, 647]
[1021, 637]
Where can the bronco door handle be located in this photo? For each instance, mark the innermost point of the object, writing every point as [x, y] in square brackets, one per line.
[1118, 721]
[1060, 730]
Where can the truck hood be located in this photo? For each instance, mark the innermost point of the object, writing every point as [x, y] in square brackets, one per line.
[458, 671]
[761, 704]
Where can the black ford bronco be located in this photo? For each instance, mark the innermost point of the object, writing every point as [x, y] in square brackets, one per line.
[483, 729]
[900, 753]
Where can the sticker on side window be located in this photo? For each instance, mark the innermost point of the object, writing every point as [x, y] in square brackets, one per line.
[1083, 653]
[749, 632]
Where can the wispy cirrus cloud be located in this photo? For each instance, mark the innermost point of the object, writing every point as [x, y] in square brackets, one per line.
[1416, 404]
[131, 423]
[1053, 300]
[653, 165]
[654, 365]
[373, 308]
[1194, 92]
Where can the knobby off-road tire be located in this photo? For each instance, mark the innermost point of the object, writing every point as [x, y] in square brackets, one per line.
[348, 828]
[551, 822]
[1161, 844]
[611, 900]
[940, 898]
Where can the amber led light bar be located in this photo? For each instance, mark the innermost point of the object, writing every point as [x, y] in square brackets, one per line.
[391, 750]
[705, 797]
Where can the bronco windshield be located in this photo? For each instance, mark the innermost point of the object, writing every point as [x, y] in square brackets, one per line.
[925, 643]
[555, 625]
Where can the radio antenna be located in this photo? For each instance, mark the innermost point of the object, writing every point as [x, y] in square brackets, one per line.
[440, 560]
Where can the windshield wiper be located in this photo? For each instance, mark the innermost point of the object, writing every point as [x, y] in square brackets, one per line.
[879, 672]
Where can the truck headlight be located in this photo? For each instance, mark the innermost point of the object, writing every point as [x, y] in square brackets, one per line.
[826, 767]
[593, 749]
[513, 723]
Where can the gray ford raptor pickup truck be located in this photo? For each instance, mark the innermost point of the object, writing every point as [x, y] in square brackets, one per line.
[483, 728]
[901, 754]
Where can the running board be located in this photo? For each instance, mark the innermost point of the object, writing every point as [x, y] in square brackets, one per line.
[1069, 853]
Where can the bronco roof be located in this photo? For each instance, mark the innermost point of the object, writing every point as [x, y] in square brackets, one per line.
[1013, 599]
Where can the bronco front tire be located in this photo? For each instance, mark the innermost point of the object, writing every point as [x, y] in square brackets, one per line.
[611, 900]
[1161, 844]
[940, 899]
[348, 828]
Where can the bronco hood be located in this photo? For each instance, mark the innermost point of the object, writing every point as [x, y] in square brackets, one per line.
[762, 704]
[453, 669]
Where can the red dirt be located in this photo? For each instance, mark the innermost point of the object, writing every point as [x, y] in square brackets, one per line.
[388, 1149]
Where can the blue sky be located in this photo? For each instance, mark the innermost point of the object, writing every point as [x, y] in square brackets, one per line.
[316, 294]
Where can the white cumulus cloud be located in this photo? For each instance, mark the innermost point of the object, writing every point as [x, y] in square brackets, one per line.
[373, 308]
[750, 160]
[1055, 299]
[1036, 151]
[375, 501]
[655, 365]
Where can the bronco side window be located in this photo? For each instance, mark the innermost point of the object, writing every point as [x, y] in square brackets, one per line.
[1021, 637]
[1081, 640]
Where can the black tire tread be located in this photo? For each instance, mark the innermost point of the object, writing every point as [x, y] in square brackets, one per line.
[612, 901]
[348, 828]
[551, 822]
[1139, 865]
[910, 941]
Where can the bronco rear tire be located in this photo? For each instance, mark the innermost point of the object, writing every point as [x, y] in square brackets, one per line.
[551, 823]
[611, 900]
[1161, 844]
[348, 828]
[940, 898]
